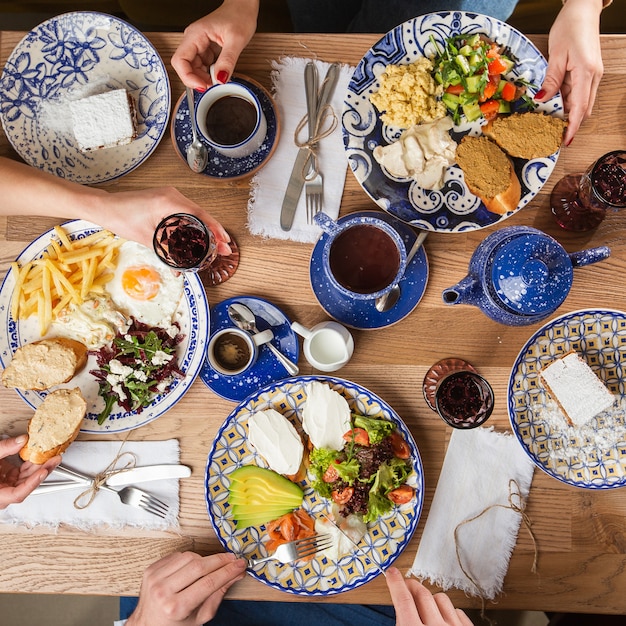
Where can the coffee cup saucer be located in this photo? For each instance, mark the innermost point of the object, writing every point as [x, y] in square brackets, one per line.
[362, 314]
[267, 369]
[220, 166]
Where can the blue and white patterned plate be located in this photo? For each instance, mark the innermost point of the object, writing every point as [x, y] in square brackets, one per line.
[383, 542]
[453, 208]
[192, 315]
[362, 314]
[267, 368]
[218, 165]
[73, 56]
[592, 456]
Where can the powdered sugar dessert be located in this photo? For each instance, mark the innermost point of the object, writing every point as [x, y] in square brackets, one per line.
[104, 120]
[577, 390]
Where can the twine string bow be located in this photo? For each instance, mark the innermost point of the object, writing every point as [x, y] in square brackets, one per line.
[83, 500]
[325, 124]
[516, 504]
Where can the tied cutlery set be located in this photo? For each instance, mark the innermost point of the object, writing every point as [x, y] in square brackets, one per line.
[64, 478]
[305, 172]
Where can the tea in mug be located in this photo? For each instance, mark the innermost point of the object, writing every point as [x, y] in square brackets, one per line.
[364, 259]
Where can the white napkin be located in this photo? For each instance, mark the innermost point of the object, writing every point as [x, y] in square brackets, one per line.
[476, 475]
[91, 457]
[269, 185]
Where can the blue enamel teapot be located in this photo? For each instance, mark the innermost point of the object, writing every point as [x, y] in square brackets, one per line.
[518, 275]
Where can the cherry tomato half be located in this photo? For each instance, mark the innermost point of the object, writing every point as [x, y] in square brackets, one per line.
[341, 496]
[402, 494]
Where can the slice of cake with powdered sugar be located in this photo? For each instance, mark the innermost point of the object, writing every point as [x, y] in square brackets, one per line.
[104, 120]
[574, 386]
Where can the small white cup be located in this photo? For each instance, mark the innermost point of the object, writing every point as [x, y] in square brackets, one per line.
[232, 351]
[235, 148]
[328, 346]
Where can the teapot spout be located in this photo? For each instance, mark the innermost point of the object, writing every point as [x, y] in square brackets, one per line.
[464, 292]
[591, 255]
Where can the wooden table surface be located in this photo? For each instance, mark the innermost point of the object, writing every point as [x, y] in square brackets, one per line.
[581, 534]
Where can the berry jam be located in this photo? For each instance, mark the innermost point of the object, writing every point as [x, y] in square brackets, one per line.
[579, 201]
[183, 242]
[464, 399]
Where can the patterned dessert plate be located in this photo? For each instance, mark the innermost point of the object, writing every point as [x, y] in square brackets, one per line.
[592, 456]
[69, 57]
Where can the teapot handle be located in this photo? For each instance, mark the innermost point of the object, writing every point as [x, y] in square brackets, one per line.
[591, 255]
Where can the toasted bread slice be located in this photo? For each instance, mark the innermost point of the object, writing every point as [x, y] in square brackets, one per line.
[489, 174]
[55, 424]
[527, 135]
[43, 364]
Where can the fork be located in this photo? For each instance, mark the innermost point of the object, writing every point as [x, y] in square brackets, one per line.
[128, 495]
[314, 190]
[298, 549]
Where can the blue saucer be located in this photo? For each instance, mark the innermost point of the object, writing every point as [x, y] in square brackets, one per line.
[220, 166]
[267, 368]
[362, 314]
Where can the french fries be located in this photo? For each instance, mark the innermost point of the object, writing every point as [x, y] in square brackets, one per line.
[68, 271]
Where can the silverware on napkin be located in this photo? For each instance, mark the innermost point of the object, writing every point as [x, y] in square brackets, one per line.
[117, 479]
[296, 180]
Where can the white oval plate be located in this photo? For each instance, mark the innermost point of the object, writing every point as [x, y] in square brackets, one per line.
[192, 315]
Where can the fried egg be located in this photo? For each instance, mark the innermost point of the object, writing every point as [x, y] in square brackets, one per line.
[144, 287]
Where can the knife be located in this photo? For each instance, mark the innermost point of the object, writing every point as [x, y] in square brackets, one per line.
[127, 477]
[356, 546]
[296, 180]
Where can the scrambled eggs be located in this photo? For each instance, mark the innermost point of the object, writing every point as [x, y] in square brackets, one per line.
[408, 95]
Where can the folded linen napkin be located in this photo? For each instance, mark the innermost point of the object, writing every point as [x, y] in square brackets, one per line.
[270, 183]
[480, 470]
[106, 509]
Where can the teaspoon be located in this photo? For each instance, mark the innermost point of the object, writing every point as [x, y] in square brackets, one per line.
[244, 318]
[197, 152]
[388, 300]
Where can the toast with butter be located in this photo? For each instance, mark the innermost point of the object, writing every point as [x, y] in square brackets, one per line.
[43, 364]
[55, 424]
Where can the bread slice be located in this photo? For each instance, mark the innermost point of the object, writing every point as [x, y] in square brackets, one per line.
[577, 390]
[104, 120]
[55, 424]
[45, 363]
[489, 174]
[526, 135]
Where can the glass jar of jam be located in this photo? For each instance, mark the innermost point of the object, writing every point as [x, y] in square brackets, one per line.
[579, 202]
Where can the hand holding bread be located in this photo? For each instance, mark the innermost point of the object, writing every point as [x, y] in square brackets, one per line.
[18, 481]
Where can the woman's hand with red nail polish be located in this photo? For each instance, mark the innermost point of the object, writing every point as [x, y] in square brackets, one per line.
[217, 39]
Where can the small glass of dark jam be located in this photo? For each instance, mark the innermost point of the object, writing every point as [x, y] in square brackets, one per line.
[185, 243]
[579, 202]
[464, 399]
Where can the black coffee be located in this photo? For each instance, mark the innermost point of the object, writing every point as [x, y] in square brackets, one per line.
[231, 120]
[364, 259]
[231, 352]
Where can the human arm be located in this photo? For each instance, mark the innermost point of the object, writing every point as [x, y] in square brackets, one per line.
[574, 61]
[18, 481]
[416, 606]
[217, 38]
[185, 589]
[132, 215]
